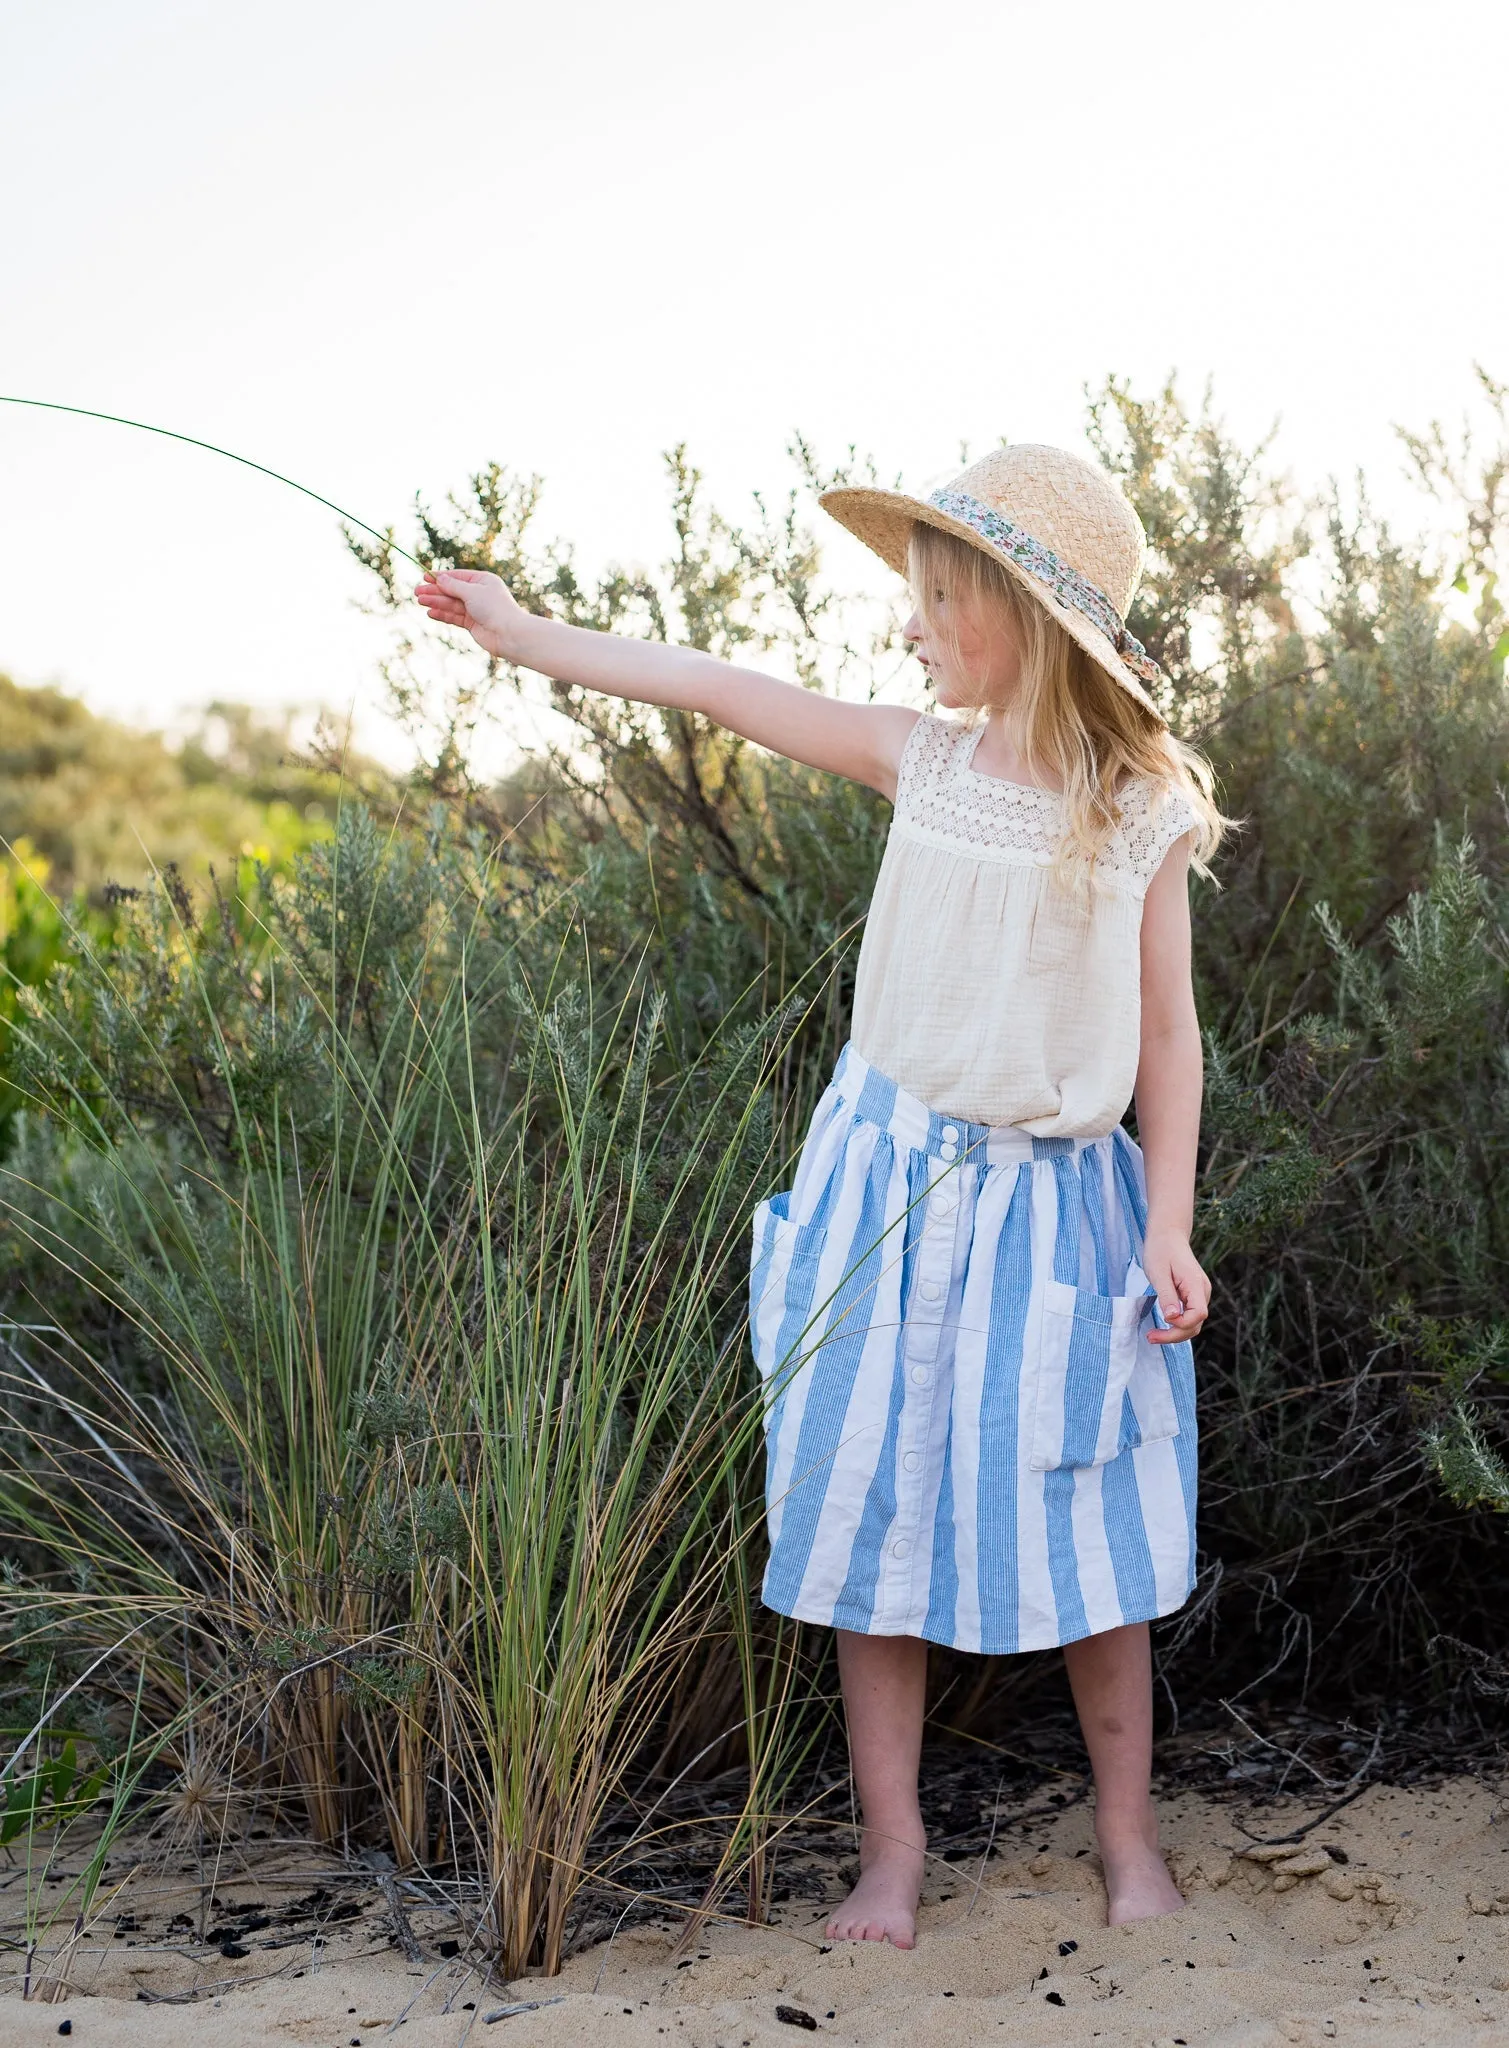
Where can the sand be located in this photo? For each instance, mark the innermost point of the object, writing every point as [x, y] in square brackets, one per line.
[1405, 1944]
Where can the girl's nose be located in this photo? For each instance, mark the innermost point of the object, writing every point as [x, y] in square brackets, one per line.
[912, 630]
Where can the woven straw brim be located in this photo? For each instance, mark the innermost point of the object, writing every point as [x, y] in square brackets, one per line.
[883, 520]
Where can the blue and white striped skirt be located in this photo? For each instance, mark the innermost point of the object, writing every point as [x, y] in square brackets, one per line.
[968, 1436]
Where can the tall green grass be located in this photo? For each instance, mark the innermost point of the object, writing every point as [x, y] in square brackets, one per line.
[418, 1446]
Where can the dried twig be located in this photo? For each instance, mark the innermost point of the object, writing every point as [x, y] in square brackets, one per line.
[1357, 1785]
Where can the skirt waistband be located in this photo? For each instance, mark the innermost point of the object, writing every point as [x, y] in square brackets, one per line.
[878, 1100]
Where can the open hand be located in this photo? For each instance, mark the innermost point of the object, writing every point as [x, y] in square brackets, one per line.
[478, 601]
[1183, 1288]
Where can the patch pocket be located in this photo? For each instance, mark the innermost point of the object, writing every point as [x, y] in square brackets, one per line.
[1102, 1388]
[783, 1267]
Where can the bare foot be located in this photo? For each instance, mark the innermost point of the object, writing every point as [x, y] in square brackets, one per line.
[883, 1905]
[1138, 1886]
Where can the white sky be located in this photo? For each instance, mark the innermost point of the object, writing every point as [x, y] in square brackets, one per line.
[374, 245]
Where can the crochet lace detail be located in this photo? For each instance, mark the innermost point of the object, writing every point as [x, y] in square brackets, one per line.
[941, 800]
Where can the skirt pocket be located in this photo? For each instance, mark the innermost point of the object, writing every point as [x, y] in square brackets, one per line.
[1102, 1388]
[782, 1286]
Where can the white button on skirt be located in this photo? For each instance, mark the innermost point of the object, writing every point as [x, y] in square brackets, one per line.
[968, 1435]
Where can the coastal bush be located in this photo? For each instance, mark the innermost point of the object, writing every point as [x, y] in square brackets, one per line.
[96, 801]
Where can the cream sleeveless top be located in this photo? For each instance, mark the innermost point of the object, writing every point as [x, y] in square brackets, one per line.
[986, 986]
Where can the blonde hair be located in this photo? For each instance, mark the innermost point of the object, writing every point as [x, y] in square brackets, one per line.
[1067, 715]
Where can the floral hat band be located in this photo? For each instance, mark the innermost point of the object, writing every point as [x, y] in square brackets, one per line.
[1056, 575]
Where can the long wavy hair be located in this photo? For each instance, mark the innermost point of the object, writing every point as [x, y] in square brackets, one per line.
[1069, 720]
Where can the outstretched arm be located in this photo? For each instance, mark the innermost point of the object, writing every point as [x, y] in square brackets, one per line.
[862, 741]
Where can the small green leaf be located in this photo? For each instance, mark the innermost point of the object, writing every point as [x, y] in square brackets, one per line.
[22, 1801]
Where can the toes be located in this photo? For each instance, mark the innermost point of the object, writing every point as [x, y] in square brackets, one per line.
[870, 1930]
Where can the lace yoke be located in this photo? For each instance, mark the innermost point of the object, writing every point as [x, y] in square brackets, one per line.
[941, 800]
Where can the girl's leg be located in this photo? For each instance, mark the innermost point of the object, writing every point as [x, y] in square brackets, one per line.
[1112, 1680]
[884, 1680]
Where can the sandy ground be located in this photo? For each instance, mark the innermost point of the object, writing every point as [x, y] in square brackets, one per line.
[1404, 1944]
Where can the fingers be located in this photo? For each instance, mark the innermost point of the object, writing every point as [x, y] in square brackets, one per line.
[1183, 1294]
[1184, 1311]
[1180, 1328]
[1172, 1297]
[444, 607]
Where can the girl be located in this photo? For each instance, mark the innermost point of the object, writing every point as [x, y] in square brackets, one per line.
[972, 1310]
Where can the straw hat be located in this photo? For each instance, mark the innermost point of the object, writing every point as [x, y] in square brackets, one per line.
[1059, 525]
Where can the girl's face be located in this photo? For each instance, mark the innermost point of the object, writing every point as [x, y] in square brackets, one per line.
[969, 651]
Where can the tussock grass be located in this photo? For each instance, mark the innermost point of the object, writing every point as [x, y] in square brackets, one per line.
[424, 1479]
